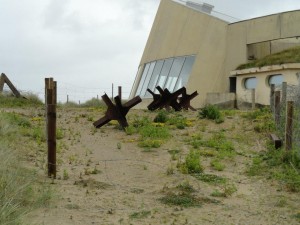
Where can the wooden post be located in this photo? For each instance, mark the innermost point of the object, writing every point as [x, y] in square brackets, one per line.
[289, 126]
[253, 98]
[50, 103]
[272, 99]
[284, 93]
[277, 108]
[120, 92]
[51, 119]
[67, 98]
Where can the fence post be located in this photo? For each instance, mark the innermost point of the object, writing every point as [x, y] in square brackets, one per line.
[277, 108]
[50, 102]
[67, 98]
[253, 98]
[289, 126]
[284, 93]
[120, 92]
[112, 91]
[272, 98]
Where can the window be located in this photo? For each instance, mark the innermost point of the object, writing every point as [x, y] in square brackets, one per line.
[138, 92]
[157, 69]
[276, 79]
[250, 83]
[185, 72]
[174, 73]
[164, 73]
[171, 73]
[147, 79]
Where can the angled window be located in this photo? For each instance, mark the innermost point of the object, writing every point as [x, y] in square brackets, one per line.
[164, 73]
[157, 69]
[174, 73]
[138, 92]
[185, 72]
[147, 79]
[171, 73]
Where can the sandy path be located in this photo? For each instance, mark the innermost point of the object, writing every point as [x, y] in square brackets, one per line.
[112, 181]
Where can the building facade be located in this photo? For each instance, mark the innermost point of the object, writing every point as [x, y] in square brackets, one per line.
[193, 48]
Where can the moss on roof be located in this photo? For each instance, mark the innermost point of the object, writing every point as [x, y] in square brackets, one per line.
[291, 55]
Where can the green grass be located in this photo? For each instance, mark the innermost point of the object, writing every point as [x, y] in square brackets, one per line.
[192, 163]
[13, 102]
[291, 55]
[211, 112]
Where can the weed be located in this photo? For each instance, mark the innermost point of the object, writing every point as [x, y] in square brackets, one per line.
[217, 165]
[181, 199]
[119, 146]
[140, 215]
[59, 134]
[210, 178]
[65, 175]
[130, 130]
[192, 163]
[150, 143]
[161, 117]
[211, 112]
[151, 131]
[185, 187]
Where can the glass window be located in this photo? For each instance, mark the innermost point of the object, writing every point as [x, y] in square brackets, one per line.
[157, 69]
[185, 72]
[171, 73]
[250, 83]
[164, 73]
[143, 79]
[276, 79]
[174, 73]
[146, 82]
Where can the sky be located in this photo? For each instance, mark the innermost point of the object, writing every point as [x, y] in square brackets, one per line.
[88, 45]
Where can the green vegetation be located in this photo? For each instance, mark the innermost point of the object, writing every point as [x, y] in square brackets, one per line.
[140, 215]
[20, 192]
[191, 164]
[27, 100]
[183, 195]
[291, 55]
[211, 112]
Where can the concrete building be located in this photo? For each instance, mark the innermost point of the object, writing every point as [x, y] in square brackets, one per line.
[190, 46]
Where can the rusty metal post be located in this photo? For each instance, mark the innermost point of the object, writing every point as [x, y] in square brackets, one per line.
[289, 126]
[253, 98]
[120, 92]
[277, 108]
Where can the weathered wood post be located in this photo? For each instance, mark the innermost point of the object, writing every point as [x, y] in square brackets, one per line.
[272, 99]
[277, 108]
[50, 102]
[253, 98]
[284, 93]
[289, 126]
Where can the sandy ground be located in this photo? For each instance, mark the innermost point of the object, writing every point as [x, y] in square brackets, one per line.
[105, 178]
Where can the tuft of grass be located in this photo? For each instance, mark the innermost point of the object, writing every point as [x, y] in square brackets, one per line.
[210, 178]
[192, 163]
[161, 117]
[217, 165]
[211, 112]
[140, 215]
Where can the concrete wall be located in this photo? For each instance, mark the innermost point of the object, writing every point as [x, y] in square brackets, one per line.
[262, 90]
[178, 31]
[219, 47]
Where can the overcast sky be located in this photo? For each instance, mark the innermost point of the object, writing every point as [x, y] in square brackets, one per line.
[87, 45]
